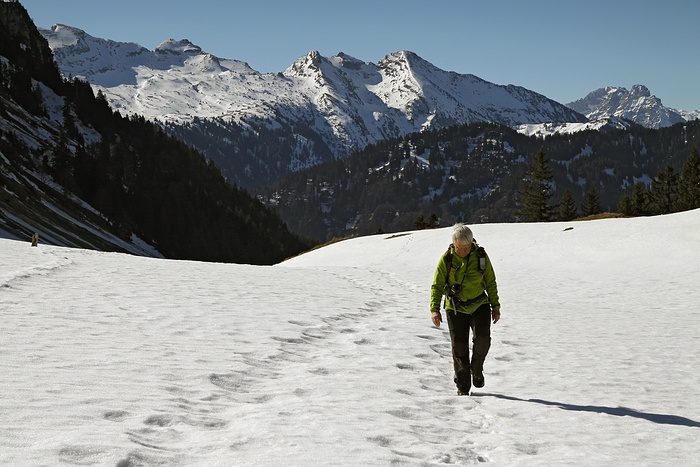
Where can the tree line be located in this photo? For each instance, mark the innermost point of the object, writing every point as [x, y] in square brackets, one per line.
[668, 192]
[474, 173]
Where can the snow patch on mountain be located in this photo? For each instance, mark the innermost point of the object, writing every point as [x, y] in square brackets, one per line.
[547, 129]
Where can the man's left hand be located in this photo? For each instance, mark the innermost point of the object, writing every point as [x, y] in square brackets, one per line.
[496, 315]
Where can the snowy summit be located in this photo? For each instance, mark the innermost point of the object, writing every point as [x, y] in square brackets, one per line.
[330, 357]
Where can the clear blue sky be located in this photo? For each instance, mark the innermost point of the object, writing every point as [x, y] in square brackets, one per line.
[563, 49]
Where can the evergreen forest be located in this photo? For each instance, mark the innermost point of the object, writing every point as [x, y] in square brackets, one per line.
[484, 173]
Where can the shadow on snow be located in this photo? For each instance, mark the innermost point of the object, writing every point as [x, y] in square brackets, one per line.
[617, 411]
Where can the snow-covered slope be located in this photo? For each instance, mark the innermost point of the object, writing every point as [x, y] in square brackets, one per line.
[330, 358]
[349, 102]
[31, 202]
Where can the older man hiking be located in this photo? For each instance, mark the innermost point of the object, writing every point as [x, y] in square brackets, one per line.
[465, 276]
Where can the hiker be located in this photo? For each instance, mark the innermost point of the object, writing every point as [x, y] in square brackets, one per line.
[465, 276]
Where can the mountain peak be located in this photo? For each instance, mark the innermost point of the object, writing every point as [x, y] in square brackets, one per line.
[639, 90]
[69, 32]
[409, 62]
[637, 105]
[307, 65]
[183, 46]
[403, 56]
[346, 61]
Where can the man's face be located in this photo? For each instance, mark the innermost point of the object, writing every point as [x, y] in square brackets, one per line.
[462, 249]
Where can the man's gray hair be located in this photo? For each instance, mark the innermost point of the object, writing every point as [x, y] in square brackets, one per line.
[462, 234]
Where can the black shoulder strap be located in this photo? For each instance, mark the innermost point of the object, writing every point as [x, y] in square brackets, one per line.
[448, 261]
[481, 254]
[447, 257]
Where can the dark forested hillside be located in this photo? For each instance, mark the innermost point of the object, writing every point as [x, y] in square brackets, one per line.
[62, 149]
[469, 173]
[255, 155]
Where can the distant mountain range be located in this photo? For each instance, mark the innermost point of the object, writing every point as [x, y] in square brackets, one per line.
[345, 102]
[178, 81]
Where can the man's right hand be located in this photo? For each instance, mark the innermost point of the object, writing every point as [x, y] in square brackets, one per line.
[437, 318]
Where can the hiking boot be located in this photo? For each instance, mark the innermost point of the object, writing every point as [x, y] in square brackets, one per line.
[462, 393]
[478, 380]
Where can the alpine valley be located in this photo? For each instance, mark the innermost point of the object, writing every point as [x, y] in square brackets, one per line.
[79, 174]
[339, 146]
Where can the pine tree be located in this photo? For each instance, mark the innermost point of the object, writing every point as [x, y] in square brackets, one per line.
[567, 207]
[625, 205]
[664, 189]
[433, 221]
[591, 203]
[689, 183]
[419, 222]
[538, 190]
[639, 201]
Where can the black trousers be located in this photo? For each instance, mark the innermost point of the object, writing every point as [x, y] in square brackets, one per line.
[460, 324]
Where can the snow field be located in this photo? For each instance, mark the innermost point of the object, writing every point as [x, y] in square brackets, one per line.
[330, 358]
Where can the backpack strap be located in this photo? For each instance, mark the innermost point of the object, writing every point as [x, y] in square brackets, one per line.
[481, 254]
[448, 259]
[448, 262]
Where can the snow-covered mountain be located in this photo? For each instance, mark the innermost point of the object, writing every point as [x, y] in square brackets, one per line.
[637, 105]
[320, 108]
[349, 102]
[615, 107]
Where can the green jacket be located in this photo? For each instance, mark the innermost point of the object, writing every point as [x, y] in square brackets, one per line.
[464, 271]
